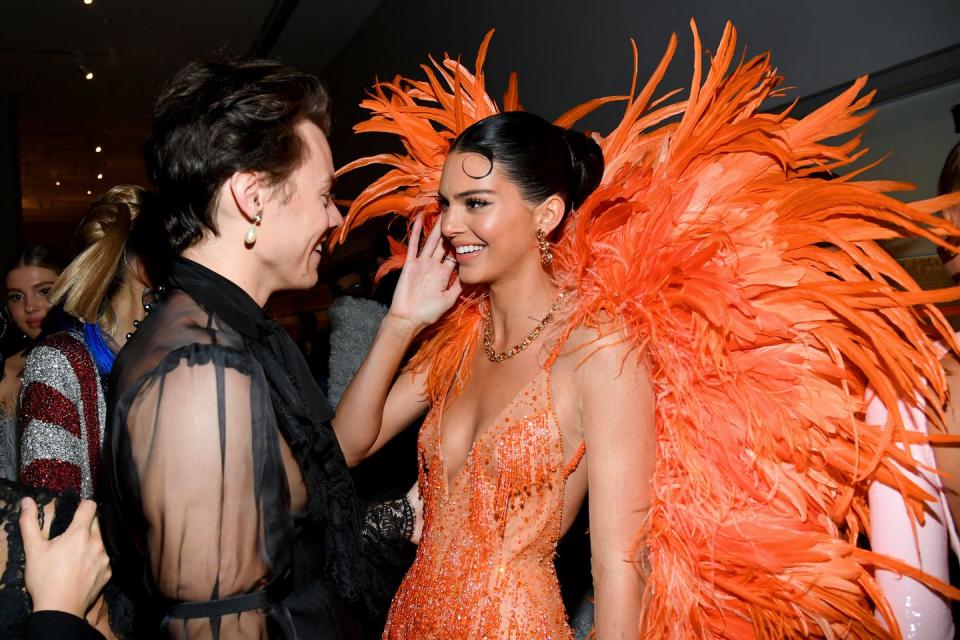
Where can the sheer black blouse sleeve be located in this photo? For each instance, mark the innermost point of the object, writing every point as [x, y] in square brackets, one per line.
[199, 479]
[229, 497]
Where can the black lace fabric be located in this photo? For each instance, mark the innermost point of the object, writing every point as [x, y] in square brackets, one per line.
[217, 436]
[15, 603]
[390, 521]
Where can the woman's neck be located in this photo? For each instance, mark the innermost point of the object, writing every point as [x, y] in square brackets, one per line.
[127, 305]
[518, 304]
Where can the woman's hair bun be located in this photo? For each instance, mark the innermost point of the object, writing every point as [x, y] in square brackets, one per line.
[586, 160]
[540, 158]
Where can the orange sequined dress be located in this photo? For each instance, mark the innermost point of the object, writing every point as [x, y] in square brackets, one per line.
[485, 568]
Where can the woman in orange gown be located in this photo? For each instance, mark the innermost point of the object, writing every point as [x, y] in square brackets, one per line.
[696, 354]
[503, 469]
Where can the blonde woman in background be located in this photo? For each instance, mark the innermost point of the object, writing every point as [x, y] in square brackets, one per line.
[63, 404]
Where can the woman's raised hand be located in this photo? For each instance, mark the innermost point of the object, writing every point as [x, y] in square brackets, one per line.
[424, 291]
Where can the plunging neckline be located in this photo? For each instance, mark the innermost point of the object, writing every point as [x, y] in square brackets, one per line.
[489, 427]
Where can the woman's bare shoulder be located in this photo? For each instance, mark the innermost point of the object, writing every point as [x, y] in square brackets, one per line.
[598, 347]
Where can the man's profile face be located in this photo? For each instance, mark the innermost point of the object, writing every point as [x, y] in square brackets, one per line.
[300, 215]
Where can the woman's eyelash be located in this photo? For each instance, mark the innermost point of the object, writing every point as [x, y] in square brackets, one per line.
[475, 203]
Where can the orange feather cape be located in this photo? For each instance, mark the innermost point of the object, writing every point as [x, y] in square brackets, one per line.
[765, 310]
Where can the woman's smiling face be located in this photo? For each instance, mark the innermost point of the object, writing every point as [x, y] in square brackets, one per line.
[488, 224]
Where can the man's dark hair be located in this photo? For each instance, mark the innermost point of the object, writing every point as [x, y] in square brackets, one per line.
[215, 119]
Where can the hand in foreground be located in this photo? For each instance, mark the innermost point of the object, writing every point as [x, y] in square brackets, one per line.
[68, 572]
[423, 290]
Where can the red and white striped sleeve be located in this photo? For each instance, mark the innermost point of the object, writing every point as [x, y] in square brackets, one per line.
[62, 412]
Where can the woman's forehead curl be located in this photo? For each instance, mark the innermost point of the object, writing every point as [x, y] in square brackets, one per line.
[476, 165]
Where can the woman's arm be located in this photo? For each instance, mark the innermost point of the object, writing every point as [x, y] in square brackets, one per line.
[617, 407]
[57, 421]
[374, 408]
[920, 611]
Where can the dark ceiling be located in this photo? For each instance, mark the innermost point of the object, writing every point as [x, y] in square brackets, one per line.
[131, 46]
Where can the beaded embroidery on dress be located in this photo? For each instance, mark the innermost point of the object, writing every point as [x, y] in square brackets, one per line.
[484, 568]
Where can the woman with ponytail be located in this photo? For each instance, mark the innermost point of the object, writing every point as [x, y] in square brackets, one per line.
[63, 404]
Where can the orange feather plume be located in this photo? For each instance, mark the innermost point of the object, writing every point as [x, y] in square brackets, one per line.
[764, 309]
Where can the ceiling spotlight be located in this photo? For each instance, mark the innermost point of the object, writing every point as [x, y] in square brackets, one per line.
[80, 62]
[57, 183]
[89, 193]
[87, 2]
[98, 149]
[99, 176]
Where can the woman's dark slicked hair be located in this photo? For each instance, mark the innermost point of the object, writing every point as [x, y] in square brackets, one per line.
[213, 120]
[540, 158]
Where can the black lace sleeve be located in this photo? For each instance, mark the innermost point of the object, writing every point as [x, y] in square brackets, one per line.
[15, 604]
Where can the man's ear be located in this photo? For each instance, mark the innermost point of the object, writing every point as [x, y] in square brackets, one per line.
[549, 214]
[245, 189]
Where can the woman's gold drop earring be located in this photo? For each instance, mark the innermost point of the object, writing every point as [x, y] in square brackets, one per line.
[546, 256]
[251, 236]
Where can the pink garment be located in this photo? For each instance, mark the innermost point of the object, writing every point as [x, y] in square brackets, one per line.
[921, 613]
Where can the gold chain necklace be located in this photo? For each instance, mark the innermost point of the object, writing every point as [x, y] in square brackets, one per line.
[492, 354]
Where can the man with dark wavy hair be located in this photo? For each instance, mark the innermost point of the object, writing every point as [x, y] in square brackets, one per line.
[234, 511]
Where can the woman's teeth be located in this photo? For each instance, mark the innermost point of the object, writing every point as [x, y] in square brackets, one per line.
[469, 248]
